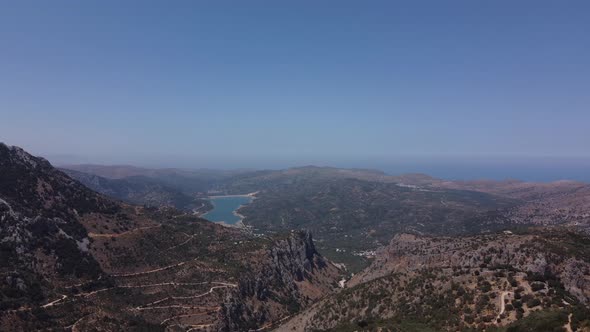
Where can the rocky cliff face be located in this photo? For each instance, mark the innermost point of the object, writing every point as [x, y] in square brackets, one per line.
[291, 275]
[295, 258]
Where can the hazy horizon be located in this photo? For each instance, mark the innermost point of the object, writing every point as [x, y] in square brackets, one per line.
[540, 169]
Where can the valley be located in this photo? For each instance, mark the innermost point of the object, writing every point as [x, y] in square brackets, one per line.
[388, 253]
[73, 258]
[352, 212]
[142, 190]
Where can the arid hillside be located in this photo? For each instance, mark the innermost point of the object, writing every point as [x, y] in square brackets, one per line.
[488, 282]
[74, 259]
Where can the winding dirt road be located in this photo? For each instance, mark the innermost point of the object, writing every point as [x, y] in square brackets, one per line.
[150, 306]
[568, 326]
[502, 304]
[51, 304]
[97, 235]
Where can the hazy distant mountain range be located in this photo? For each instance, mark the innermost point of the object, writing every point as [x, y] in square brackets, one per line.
[187, 181]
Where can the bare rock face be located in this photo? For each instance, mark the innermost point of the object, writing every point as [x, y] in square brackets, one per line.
[295, 258]
[292, 275]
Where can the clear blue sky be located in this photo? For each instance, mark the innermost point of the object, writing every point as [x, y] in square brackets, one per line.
[214, 82]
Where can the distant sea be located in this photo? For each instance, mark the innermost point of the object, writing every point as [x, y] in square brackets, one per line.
[534, 169]
[537, 172]
[538, 169]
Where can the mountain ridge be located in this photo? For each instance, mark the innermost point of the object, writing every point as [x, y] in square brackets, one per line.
[139, 189]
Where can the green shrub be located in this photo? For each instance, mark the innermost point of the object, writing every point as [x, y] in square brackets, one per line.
[533, 303]
[540, 321]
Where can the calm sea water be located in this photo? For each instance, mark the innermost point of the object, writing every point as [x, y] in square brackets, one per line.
[224, 207]
[540, 172]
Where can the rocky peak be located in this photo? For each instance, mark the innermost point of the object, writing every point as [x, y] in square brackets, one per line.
[297, 252]
[31, 186]
[293, 273]
[18, 156]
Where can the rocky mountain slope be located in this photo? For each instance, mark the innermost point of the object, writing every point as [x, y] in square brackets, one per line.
[74, 259]
[40, 232]
[141, 190]
[497, 281]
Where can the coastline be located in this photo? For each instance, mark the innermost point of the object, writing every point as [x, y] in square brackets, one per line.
[239, 215]
[224, 224]
[239, 224]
